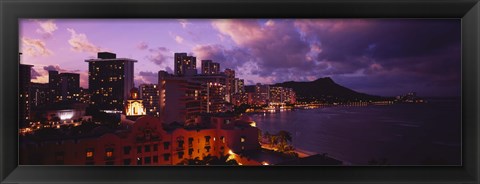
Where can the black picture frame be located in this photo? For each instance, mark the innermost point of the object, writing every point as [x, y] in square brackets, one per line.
[12, 10]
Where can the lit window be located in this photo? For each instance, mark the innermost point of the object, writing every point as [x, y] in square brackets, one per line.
[89, 153]
[242, 139]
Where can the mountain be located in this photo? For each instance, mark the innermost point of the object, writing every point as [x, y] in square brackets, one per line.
[326, 90]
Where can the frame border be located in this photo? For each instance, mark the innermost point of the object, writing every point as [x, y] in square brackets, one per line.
[12, 10]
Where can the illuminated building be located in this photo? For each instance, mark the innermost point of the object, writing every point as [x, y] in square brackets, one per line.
[39, 94]
[210, 68]
[110, 80]
[180, 98]
[134, 106]
[184, 64]
[262, 94]
[151, 98]
[24, 94]
[146, 142]
[229, 84]
[239, 86]
[215, 92]
[62, 111]
[63, 86]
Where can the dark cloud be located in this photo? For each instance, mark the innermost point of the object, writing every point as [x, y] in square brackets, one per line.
[53, 68]
[228, 58]
[151, 77]
[273, 45]
[159, 55]
[35, 74]
[382, 55]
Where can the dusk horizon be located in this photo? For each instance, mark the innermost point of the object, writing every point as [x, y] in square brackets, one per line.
[384, 57]
[240, 92]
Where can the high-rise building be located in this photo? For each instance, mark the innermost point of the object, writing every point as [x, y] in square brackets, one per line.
[215, 93]
[24, 106]
[262, 94]
[63, 86]
[210, 68]
[184, 64]
[54, 87]
[110, 80]
[180, 98]
[229, 83]
[151, 98]
[39, 94]
[240, 86]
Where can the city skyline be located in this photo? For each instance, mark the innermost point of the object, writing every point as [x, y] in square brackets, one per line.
[375, 56]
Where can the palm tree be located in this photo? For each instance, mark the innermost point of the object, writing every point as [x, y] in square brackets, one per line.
[283, 138]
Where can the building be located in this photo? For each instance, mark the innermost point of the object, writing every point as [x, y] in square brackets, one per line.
[151, 98]
[39, 93]
[210, 68]
[110, 80]
[215, 93]
[63, 86]
[239, 86]
[134, 107]
[184, 64]
[24, 106]
[180, 98]
[147, 142]
[262, 94]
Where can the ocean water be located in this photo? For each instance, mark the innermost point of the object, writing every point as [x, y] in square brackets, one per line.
[400, 134]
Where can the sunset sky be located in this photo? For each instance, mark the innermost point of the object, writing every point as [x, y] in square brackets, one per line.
[375, 56]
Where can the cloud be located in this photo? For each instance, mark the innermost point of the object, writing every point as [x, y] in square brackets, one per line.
[275, 45]
[35, 74]
[142, 46]
[34, 47]
[146, 78]
[80, 43]
[184, 23]
[159, 55]
[179, 39]
[228, 58]
[46, 28]
[53, 68]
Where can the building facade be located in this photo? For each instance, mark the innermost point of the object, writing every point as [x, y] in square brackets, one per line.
[147, 142]
[151, 98]
[184, 64]
[210, 68]
[110, 80]
[24, 105]
[180, 98]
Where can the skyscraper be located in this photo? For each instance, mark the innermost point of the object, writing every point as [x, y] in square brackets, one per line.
[180, 98]
[24, 75]
[210, 68]
[110, 80]
[151, 98]
[184, 64]
[63, 86]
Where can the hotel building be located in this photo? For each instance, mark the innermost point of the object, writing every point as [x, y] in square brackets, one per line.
[179, 98]
[151, 98]
[210, 68]
[147, 142]
[184, 64]
[110, 80]
[24, 106]
[63, 86]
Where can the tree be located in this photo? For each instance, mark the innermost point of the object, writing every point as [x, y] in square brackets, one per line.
[283, 138]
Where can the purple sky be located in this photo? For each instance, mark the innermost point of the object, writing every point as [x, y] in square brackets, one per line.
[375, 56]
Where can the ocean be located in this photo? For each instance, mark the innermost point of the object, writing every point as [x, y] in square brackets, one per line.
[398, 134]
